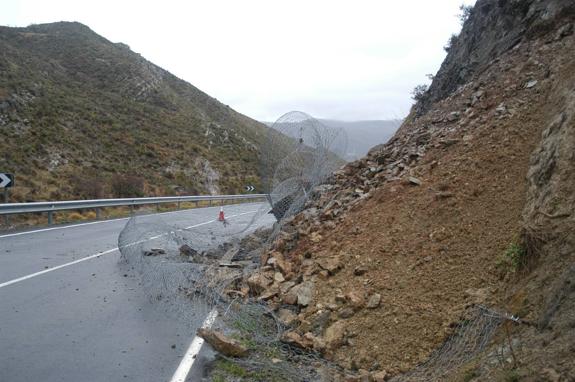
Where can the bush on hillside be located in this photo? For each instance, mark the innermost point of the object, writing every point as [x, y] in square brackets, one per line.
[465, 12]
[127, 186]
[418, 93]
[88, 187]
[450, 43]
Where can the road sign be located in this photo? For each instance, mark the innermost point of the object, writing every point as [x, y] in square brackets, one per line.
[250, 188]
[6, 180]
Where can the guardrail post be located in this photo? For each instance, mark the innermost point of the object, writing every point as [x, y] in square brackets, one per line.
[158, 207]
[50, 217]
[210, 202]
[197, 203]
[98, 213]
[132, 209]
[178, 204]
[6, 217]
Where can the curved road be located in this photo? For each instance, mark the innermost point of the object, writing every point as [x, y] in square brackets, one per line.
[87, 321]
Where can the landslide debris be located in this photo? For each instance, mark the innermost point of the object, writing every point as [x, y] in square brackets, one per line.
[471, 202]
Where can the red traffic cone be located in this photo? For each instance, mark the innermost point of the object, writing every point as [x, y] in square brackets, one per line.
[221, 217]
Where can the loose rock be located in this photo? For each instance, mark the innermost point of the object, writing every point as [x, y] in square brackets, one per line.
[186, 250]
[304, 292]
[453, 116]
[330, 264]
[355, 299]
[258, 282]
[374, 301]
[414, 181]
[222, 344]
[380, 376]
[286, 316]
[155, 252]
[334, 335]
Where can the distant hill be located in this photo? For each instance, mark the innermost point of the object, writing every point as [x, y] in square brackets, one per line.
[363, 135]
[83, 117]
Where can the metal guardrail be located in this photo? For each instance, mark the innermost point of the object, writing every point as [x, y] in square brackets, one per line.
[50, 207]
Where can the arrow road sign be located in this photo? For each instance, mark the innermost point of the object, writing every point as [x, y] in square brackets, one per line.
[250, 188]
[6, 180]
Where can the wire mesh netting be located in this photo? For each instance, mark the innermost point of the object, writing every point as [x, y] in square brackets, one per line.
[299, 154]
[192, 270]
[472, 335]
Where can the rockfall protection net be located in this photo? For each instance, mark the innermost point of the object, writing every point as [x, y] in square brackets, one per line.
[191, 271]
[472, 334]
[299, 154]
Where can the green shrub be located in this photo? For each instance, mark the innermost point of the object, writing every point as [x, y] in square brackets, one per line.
[513, 259]
[512, 376]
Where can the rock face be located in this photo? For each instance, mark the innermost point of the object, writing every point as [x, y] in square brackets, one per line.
[493, 28]
[551, 175]
[222, 344]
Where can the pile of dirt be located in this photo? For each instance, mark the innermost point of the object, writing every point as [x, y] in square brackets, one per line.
[459, 208]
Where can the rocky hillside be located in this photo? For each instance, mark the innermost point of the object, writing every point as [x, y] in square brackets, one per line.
[471, 202]
[81, 117]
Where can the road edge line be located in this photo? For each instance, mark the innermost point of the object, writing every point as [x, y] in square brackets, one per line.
[191, 354]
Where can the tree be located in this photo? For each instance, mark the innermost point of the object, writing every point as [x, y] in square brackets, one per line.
[465, 12]
[452, 40]
[418, 93]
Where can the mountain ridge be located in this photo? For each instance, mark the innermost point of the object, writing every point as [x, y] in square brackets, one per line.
[72, 102]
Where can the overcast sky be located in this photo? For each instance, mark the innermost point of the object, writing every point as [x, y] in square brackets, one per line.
[347, 60]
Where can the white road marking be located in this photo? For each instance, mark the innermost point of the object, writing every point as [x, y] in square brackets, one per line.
[19, 279]
[191, 354]
[90, 223]
[58, 228]
[194, 349]
[55, 268]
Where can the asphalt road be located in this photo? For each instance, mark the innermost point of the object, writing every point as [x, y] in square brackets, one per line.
[87, 321]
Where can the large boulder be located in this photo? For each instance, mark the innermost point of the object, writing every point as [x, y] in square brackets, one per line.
[259, 282]
[302, 294]
[223, 344]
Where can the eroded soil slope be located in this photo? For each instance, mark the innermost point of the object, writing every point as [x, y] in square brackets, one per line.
[381, 267]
